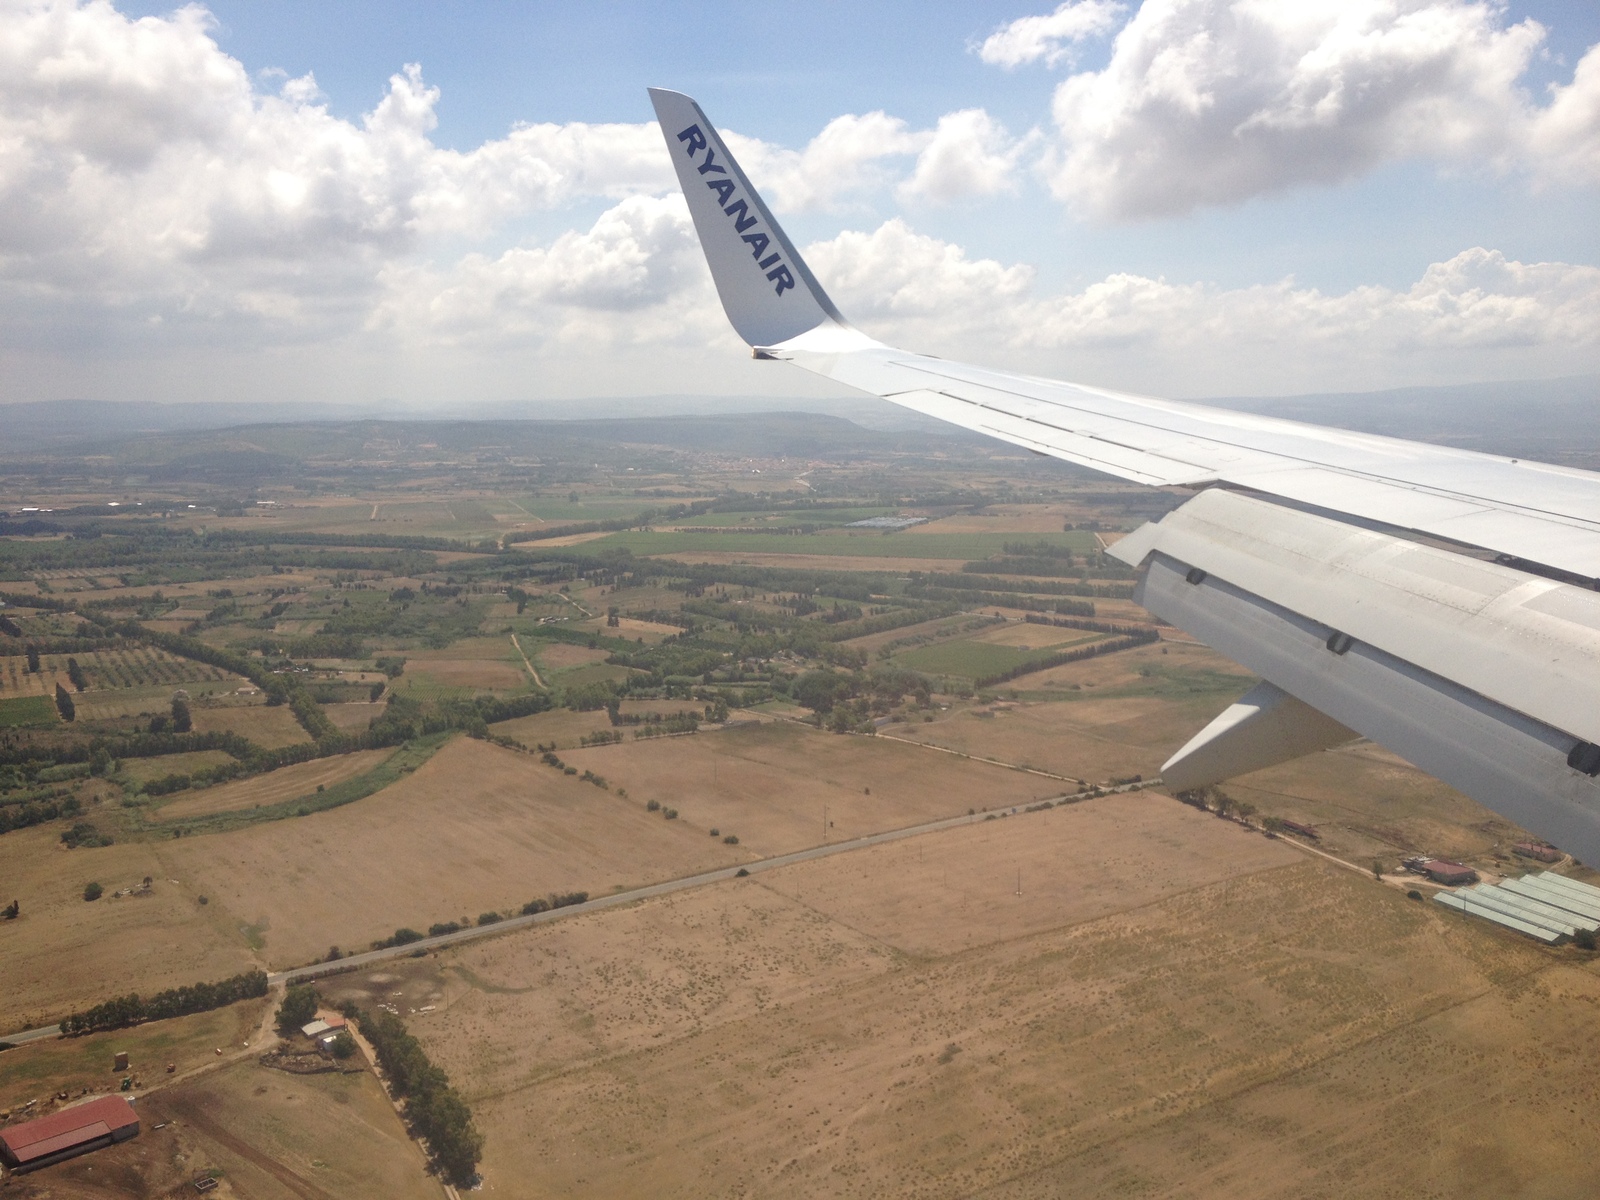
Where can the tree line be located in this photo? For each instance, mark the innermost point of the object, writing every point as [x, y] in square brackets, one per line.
[133, 1009]
[433, 1107]
[1044, 662]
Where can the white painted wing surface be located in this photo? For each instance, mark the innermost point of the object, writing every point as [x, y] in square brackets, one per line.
[1534, 511]
[1486, 674]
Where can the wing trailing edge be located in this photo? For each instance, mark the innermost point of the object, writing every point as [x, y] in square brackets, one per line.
[1302, 557]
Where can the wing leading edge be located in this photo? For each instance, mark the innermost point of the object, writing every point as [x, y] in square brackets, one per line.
[1303, 538]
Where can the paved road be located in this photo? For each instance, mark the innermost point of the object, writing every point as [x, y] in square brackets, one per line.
[354, 961]
[301, 974]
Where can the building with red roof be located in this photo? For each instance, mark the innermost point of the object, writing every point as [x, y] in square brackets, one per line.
[65, 1134]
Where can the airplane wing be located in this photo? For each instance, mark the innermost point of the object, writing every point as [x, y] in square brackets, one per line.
[1441, 602]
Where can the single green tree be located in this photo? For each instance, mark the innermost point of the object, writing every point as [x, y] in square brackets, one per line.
[33, 660]
[299, 1007]
[93, 891]
[64, 704]
[80, 681]
[182, 721]
[343, 1045]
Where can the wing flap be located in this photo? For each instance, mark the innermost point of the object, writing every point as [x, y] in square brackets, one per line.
[1524, 642]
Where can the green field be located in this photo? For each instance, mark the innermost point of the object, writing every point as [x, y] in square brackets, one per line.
[27, 710]
[866, 544]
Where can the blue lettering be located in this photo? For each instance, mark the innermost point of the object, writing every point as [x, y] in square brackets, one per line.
[758, 244]
[782, 278]
[768, 261]
[711, 163]
[740, 212]
[695, 139]
[722, 187]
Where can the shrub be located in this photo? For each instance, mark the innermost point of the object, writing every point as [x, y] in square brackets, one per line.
[535, 906]
[443, 927]
[652, 806]
[93, 891]
[1585, 939]
[731, 840]
[299, 1008]
[670, 814]
[716, 833]
[489, 918]
[1413, 894]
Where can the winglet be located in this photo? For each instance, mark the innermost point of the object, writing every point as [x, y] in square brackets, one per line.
[768, 292]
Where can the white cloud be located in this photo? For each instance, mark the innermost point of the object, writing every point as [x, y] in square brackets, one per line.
[637, 275]
[1475, 313]
[970, 154]
[847, 157]
[1214, 101]
[1051, 38]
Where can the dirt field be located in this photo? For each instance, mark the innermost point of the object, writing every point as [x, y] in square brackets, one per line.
[285, 783]
[267, 1134]
[268, 726]
[475, 828]
[1172, 1007]
[558, 656]
[64, 953]
[72, 1064]
[817, 562]
[768, 784]
[353, 717]
[563, 728]
[1090, 739]
[1367, 803]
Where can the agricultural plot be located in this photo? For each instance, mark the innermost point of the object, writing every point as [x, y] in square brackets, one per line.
[977, 657]
[27, 710]
[476, 828]
[269, 726]
[143, 770]
[273, 787]
[753, 1038]
[769, 784]
[71, 1064]
[63, 953]
[907, 544]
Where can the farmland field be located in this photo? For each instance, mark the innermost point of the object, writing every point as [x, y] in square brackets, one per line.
[856, 543]
[1110, 995]
[902, 1019]
[274, 787]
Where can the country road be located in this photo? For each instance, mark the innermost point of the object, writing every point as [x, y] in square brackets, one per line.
[511, 924]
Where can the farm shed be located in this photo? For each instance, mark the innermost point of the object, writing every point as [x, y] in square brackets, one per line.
[1545, 906]
[70, 1132]
[1451, 874]
[1533, 850]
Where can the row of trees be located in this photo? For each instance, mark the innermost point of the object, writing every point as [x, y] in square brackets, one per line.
[1142, 637]
[133, 1009]
[434, 1108]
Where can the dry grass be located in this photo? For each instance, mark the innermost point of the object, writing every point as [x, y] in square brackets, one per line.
[768, 784]
[274, 787]
[475, 828]
[265, 1133]
[355, 716]
[64, 953]
[1173, 1007]
[1031, 637]
[816, 562]
[1089, 739]
[269, 726]
[559, 656]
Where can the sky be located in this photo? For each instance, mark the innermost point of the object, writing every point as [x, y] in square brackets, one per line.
[445, 205]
